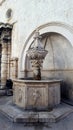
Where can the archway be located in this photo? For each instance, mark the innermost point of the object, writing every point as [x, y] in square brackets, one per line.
[58, 69]
[54, 27]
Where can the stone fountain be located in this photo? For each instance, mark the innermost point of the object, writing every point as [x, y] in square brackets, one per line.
[36, 94]
[36, 100]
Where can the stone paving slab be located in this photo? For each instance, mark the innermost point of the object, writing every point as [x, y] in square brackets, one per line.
[16, 114]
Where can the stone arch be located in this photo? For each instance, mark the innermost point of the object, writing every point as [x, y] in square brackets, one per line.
[55, 27]
[65, 74]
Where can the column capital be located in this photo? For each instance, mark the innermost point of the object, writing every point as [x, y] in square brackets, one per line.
[6, 35]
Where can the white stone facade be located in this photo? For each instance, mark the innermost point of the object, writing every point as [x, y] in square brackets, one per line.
[27, 16]
[54, 17]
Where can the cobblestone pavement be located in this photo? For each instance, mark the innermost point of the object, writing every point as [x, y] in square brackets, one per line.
[6, 124]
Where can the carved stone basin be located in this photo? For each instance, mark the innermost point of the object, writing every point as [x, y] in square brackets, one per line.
[36, 94]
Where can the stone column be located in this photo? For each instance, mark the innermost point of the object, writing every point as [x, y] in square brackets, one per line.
[9, 56]
[14, 68]
[4, 65]
[5, 41]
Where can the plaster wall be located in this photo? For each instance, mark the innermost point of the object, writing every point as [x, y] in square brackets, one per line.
[28, 15]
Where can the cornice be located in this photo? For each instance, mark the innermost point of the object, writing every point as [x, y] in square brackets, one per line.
[6, 25]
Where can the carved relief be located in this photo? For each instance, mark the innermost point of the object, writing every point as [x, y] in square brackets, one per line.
[36, 97]
[20, 95]
[37, 54]
[6, 35]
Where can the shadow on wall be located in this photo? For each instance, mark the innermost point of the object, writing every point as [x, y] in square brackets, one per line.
[67, 90]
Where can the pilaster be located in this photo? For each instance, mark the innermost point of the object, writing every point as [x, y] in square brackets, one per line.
[5, 56]
[14, 68]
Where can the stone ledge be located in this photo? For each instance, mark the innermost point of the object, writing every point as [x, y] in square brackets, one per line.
[18, 115]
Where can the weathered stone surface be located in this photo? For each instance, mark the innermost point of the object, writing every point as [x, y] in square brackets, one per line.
[14, 68]
[19, 115]
[35, 94]
[5, 41]
[61, 53]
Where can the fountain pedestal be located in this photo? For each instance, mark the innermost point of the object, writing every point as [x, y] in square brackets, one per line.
[36, 94]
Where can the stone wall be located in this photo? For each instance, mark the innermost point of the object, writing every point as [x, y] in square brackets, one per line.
[26, 16]
[36, 94]
[5, 42]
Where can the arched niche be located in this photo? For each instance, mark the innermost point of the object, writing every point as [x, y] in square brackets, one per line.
[59, 57]
[59, 61]
[54, 27]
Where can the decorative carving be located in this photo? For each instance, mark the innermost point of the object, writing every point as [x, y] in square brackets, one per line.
[36, 97]
[5, 25]
[5, 32]
[36, 54]
[20, 95]
[6, 35]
